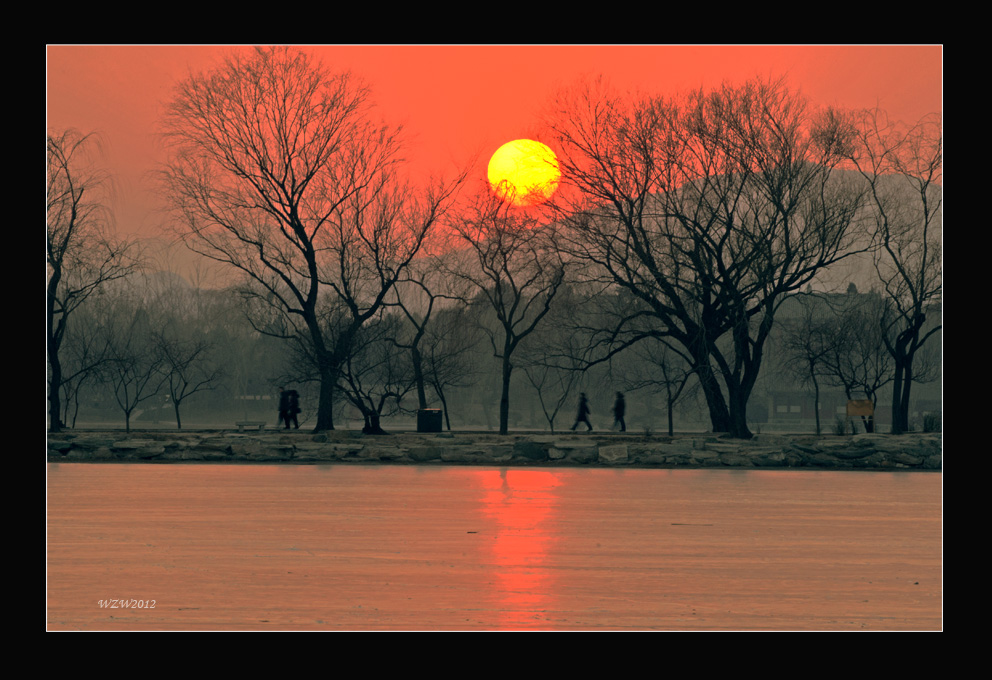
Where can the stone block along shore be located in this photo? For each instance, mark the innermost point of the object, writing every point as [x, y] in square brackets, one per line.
[862, 451]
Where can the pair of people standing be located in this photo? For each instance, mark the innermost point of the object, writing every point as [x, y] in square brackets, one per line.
[619, 409]
[289, 406]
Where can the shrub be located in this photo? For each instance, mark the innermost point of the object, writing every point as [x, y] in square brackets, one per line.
[931, 422]
[840, 425]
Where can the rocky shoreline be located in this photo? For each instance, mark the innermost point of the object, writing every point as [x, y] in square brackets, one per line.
[863, 451]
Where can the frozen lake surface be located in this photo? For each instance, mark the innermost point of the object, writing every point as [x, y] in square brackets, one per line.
[347, 547]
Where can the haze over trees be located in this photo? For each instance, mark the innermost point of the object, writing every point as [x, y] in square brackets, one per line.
[709, 211]
[134, 366]
[516, 272]
[837, 340]
[180, 341]
[903, 166]
[656, 368]
[83, 253]
[809, 339]
[280, 170]
[669, 262]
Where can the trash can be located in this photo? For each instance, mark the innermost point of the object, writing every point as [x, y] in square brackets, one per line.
[429, 420]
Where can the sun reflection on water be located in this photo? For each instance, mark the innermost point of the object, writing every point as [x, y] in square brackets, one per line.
[522, 505]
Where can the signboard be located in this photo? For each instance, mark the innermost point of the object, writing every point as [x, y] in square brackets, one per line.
[860, 407]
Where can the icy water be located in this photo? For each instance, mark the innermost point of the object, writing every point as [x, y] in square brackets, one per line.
[336, 547]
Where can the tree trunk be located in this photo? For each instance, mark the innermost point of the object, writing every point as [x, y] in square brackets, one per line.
[737, 401]
[907, 384]
[328, 363]
[54, 340]
[902, 353]
[719, 414]
[179, 422]
[900, 395]
[816, 402]
[325, 403]
[504, 399]
[418, 377]
[373, 423]
[444, 405]
[738, 424]
[897, 425]
[54, 389]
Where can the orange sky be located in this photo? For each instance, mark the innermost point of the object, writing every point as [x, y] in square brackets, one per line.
[460, 102]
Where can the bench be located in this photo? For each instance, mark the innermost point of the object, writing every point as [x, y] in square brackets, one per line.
[250, 425]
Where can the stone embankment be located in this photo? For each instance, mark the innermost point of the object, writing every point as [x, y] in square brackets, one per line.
[864, 451]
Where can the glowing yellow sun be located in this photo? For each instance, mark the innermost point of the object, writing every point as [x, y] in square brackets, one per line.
[524, 172]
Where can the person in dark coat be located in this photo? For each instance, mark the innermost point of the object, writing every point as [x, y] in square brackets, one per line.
[583, 415]
[283, 407]
[289, 406]
[619, 408]
[294, 408]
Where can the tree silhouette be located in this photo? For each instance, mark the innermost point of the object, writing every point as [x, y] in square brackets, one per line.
[516, 270]
[904, 168]
[134, 363]
[83, 254]
[279, 170]
[707, 211]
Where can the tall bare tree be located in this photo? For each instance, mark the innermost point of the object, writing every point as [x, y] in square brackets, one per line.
[809, 340]
[134, 366]
[280, 171]
[553, 356]
[185, 363]
[661, 369]
[904, 168]
[515, 270]
[427, 289]
[857, 360]
[375, 377]
[82, 356]
[83, 253]
[708, 211]
[448, 348]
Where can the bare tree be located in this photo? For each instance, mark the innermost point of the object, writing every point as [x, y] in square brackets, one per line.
[183, 319]
[411, 335]
[280, 171]
[375, 377]
[551, 378]
[516, 271]
[809, 340]
[82, 355]
[186, 364]
[424, 292]
[448, 349]
[904, 168]
[83, 254]
[659, 368]
[134, 364]
[708, 211]
[553, 357]
[857, 359]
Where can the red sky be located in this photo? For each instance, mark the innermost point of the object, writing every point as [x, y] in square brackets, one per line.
[457, 102]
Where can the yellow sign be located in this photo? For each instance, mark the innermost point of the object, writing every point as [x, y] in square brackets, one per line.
[860, 407]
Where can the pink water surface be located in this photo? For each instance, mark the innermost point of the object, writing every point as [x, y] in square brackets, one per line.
[337, 547]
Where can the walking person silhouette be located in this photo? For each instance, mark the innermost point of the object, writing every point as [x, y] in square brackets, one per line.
[289, 406]
[619, 408]
[583, 415]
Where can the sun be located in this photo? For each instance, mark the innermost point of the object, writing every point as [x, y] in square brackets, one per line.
[524, 172]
